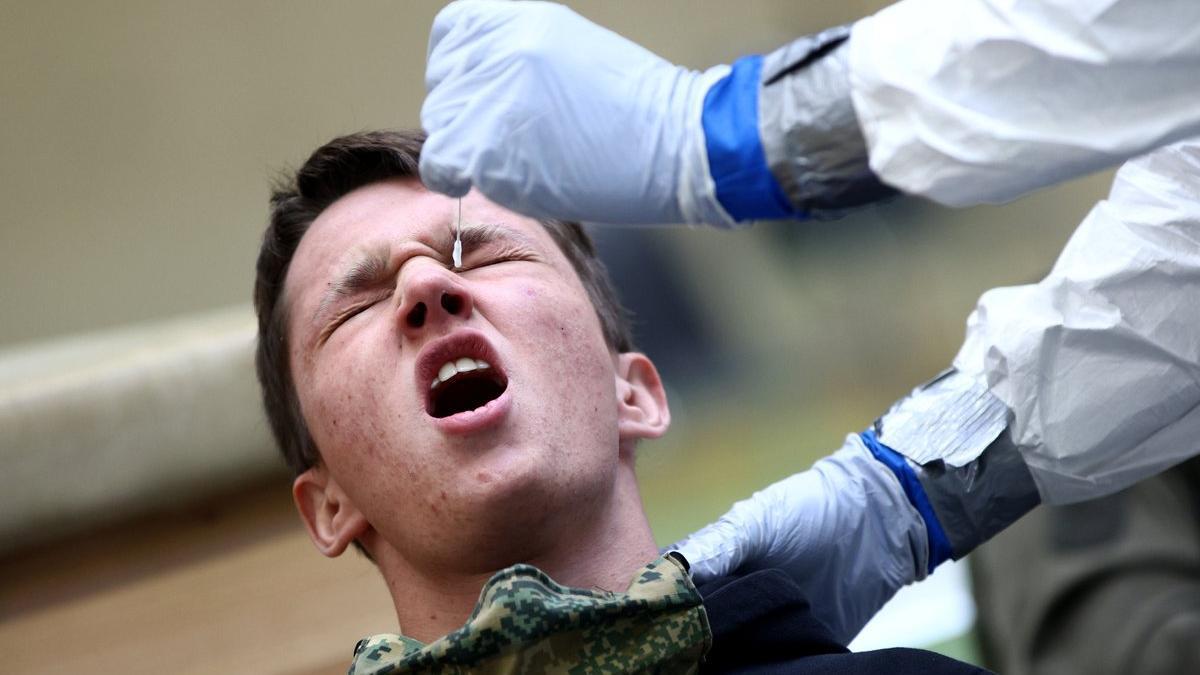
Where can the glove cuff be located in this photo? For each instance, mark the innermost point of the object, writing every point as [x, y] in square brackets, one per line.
[743, 182]
[696, 191]
[953, 434]
[940, 548]
[780, 139]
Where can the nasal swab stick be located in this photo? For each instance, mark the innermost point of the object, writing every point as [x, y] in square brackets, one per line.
[457, 255]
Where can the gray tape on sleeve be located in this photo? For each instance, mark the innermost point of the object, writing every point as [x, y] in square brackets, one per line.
[809, 130]
[975, 501]
[954, 433]
[951, 418]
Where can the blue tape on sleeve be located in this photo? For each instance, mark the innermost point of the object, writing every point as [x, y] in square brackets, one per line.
[939, 543]
[745, 185]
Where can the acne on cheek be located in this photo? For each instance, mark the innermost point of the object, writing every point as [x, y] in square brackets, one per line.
[342, 407]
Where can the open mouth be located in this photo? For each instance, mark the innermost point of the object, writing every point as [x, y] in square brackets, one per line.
[462, 385]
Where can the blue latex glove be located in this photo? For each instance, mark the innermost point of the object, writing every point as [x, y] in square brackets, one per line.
[551, 115]
[844, 530]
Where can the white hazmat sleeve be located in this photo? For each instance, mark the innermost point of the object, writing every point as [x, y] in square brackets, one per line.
[972, 101]
[1100, 362]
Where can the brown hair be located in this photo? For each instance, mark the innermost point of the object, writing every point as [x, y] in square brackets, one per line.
[334, 170]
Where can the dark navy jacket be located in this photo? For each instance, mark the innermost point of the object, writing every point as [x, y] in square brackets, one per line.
[761, 623]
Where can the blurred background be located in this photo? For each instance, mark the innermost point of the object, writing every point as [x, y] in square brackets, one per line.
[145, 521]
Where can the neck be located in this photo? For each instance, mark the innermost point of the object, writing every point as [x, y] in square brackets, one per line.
[604, 553]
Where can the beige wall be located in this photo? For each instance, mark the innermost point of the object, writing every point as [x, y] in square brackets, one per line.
[138, 136]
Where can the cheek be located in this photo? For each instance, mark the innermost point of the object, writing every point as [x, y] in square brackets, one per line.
[341, 429]
[561, 322]
[348, 396]
[563, 332]
[361, 436]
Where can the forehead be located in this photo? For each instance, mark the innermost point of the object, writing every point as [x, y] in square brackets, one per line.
[392, 215]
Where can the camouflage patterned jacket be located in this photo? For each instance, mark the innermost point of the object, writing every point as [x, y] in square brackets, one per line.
[526, 623]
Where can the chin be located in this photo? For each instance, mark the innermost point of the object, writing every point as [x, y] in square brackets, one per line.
[512, 478]
[525, 495]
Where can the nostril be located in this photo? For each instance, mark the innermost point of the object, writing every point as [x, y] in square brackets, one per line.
[416, 316]
[452, 303]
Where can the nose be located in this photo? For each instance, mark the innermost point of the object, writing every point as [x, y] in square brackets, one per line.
[433, 298]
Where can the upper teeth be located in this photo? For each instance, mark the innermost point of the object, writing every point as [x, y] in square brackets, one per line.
[451, 368]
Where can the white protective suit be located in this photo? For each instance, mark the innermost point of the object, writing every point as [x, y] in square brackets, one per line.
[1064, 390]
[996, 98]
[1099, 365]
[971, 101]
[1093, 374]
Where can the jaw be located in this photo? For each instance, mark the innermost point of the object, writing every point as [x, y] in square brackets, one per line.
[502, 515]
[507, 507]
[487, 501]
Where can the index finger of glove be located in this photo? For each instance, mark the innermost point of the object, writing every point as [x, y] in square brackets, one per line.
[441, 174]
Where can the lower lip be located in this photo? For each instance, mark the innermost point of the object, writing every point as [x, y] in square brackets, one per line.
[479, 419]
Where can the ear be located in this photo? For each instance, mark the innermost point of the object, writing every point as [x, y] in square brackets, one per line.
[332, 520]
[642, 410]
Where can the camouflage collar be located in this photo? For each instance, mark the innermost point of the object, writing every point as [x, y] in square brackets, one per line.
[524, 622]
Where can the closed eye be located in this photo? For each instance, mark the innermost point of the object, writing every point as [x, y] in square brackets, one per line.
[351, 312]
[493, 258]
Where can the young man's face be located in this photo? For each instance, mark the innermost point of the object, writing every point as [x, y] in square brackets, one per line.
[376, 314]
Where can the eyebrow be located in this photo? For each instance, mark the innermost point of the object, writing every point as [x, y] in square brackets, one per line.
[479, 234]
[370, 266]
